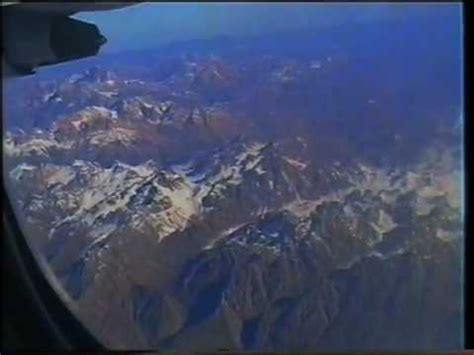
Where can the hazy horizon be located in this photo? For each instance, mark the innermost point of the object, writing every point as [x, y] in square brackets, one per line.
[150, 25]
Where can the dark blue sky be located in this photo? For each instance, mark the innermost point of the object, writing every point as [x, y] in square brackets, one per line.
[153, 24]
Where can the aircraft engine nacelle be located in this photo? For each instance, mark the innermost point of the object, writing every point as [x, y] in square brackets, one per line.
[33, 39]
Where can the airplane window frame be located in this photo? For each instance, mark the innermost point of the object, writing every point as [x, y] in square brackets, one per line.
[52, 325]
[31, 307]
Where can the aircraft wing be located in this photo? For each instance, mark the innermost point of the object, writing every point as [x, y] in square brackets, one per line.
[39, 34]
[67, 8]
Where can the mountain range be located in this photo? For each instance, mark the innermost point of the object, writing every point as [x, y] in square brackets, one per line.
[244, 202]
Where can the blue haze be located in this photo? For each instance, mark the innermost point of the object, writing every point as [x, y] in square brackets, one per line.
[150, 25]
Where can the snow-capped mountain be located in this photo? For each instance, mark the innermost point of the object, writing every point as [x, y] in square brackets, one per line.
[229, 202]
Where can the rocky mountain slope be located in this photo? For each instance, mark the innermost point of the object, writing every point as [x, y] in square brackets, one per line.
[223, 203]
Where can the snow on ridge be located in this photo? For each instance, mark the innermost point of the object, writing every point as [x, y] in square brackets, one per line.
[89, 113]
[59, 175]
[251, 150]
[183, 207]
[295, 163]
[17, 172]
[384, 223]
[36, 146]
[113, 135]
[114, 189]
[216, 178]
